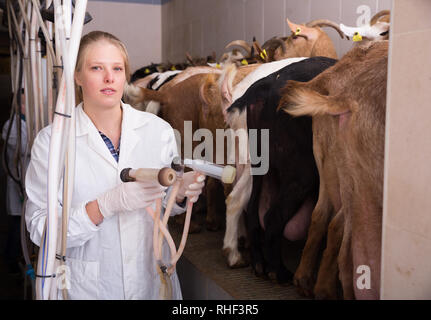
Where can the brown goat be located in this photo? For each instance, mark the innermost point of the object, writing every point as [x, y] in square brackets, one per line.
[212, 97]
[308, 41]
[348, 105]
[182, 100]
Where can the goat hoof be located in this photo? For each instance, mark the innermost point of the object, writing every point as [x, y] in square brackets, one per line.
[304, 285]
[325, 293]
[226, 252]
[259, 270]
[272, 276]
[234, 258]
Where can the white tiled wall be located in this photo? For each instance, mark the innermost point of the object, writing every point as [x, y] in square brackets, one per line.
[204, 26]
[138, 25]
[406, 247]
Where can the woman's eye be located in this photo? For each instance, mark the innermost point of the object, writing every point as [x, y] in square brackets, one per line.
[118, 69]
[96, 68]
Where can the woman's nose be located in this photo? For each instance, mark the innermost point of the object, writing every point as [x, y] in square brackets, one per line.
[108, 77]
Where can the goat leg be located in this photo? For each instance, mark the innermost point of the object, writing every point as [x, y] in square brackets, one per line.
[327, 280]
[304, 278]
[214, 193]
[236, 202]
[285, 208]
[255, 231]
[345, 260]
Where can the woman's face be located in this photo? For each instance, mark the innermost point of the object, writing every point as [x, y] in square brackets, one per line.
[102, 76]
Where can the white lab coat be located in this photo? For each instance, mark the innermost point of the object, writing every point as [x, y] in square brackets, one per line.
[14, 199]
[115, 259]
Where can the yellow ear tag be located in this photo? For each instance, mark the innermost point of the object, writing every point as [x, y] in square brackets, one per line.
[264, 52]
[244, 62]
[218, 65]
[357, 37]
[147, 71]
[298, 31]
[173, 68]
[262, 56]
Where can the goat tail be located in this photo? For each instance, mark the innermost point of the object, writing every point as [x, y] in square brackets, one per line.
[300, 100]
[132, 93]
[138, 94]
[152, 95]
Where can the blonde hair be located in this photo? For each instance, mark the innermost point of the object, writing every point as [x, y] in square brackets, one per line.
[93, 37]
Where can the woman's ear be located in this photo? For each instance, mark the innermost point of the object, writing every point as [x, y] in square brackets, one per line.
[77, 79]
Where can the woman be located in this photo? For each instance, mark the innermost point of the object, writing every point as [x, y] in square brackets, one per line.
[109, 241]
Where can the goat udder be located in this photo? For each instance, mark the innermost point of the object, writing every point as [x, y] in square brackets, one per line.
[297, 227]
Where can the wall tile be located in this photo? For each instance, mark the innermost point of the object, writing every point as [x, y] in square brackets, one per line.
[225, 20]
[298, 11]
[196, 39]
[409, 133]
[209, 34]
[274, 18]
[353, 10]
[254, 20]
[406, 265]
[384, 5]
[235, 21]
[406, 219]
[146, 28]
[409, 18]
[330, 10]
[223, 26]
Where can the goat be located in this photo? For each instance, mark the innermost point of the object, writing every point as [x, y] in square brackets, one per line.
[308, 41]
[348, 106]
[232, 84]
[377, 29]
[282, 199]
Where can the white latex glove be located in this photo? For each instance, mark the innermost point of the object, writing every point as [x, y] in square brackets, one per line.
[191, 186]
[129, 196]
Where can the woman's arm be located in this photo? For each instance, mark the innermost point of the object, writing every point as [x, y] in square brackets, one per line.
[81, 227]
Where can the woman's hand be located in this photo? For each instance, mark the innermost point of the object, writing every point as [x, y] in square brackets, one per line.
[129, 196]
[191, 186]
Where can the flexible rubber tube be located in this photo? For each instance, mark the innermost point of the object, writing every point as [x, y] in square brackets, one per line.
[34, 70]
[56, 154]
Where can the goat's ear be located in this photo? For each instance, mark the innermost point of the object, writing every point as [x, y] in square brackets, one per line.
[299, 29]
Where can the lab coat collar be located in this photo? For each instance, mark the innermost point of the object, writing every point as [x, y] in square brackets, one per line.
[132, 120]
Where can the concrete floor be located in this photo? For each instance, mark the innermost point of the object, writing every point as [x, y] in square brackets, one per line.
[204, 274]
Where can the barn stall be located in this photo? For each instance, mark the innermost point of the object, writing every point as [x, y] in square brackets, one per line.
[178, 34]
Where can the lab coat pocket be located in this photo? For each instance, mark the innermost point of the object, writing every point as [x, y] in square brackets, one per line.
[83, 279]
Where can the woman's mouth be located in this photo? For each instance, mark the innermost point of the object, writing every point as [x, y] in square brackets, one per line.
[108, 91]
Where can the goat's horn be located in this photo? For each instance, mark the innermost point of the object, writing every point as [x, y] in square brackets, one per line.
[241, 43]
[189, 58]
[378, 15]
[275, 40]
[326, 23]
